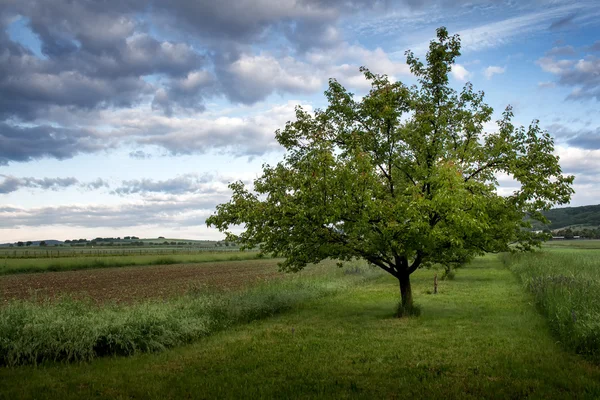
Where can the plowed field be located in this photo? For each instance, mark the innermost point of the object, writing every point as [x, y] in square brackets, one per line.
[131, 284]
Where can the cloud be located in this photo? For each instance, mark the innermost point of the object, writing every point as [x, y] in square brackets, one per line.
[97, 184]
[584, 164]
[561, 51]
[546, 85]
[21, 143]
[562, 22]
[253, 77]
[140, 155]
[164, 212]
[584, 138]
[594, 47]
[493, 70]
[460, 73]
[582, 75]
[188, 183]
[491, 23]
[249, 135]
[11, 183]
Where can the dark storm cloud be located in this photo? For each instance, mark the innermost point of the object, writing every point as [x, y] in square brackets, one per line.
[170, 55]
[19, 143]
[95, 57]
[588, 139]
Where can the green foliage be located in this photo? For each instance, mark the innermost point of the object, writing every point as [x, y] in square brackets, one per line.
[71, 330]
[566, 288]
[403, 178]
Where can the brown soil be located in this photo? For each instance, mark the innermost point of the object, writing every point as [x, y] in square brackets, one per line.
[131, 284]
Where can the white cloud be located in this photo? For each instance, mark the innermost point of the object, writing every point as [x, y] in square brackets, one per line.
[546, 85]
[493, 70]
[460, 73]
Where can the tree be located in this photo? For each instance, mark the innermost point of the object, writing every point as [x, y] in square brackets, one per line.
[43, 243]
[403, 178]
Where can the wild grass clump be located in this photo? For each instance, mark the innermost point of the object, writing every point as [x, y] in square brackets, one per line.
[72, 330]
[566, 288]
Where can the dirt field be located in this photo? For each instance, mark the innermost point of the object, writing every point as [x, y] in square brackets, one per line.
[136, 283]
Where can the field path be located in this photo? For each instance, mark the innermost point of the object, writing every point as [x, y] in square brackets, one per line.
[130, 284]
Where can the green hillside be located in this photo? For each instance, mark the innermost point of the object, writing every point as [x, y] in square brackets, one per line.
[584, 216]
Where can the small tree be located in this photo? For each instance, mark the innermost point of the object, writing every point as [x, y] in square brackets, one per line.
[404, 178]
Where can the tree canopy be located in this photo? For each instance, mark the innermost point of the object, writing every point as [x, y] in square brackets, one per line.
[404, 177]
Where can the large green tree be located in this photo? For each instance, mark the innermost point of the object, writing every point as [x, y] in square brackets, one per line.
[403, 178]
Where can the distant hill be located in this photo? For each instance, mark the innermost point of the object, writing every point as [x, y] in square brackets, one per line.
[584, 216]
[126, 241]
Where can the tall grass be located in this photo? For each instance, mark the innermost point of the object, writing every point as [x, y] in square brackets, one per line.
[31, 265]
[73, 330]
[566, 288]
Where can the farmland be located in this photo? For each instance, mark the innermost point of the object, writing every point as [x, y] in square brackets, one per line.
[69, 260]
[130, 284]
[328, 333]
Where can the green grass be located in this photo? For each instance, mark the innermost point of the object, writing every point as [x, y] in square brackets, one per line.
[480, 337]
[70, 330]
[31, 265]
[593, 244]
[566, 287]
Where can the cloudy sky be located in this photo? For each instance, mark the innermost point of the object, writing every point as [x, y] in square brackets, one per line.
[130, 117]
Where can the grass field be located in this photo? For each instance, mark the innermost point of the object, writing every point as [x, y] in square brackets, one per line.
[77, 262]
[565, 283]
[480, 337]
[573, 244]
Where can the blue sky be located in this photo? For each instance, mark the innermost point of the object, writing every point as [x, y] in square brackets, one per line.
[130, 117]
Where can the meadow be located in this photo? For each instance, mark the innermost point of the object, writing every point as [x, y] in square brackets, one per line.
[565, 283]
[325, 333]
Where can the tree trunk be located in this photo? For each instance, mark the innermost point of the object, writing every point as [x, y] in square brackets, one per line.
[406, 292]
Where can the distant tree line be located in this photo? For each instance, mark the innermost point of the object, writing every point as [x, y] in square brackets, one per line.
[585, 233]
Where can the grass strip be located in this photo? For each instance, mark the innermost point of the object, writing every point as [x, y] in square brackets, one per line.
[23, 266]
[566, 288]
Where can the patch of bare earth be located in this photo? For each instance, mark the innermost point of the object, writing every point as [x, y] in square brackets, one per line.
[130, 284]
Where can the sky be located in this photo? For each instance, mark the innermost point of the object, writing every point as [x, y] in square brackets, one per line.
[130, 117]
